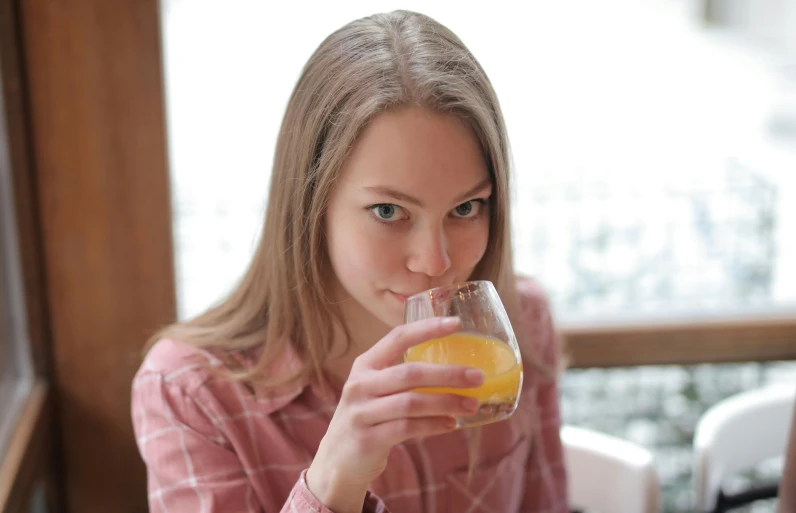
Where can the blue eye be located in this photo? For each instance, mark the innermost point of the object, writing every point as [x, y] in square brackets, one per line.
[385, 211]
[464, 209]
[468, 209]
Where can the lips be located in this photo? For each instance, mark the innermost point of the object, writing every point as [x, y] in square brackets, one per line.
[401, 297]
[404, 297]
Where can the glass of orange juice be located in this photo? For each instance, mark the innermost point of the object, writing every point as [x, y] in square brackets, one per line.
[485, 341]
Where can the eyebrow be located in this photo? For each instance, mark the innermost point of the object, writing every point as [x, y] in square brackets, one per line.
[400, 196]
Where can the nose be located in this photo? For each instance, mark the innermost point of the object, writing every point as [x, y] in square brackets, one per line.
[428, 252]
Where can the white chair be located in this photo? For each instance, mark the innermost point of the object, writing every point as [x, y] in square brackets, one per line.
[737, 434]
[608, 474]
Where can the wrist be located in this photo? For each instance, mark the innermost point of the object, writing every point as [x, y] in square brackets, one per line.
[334, 491]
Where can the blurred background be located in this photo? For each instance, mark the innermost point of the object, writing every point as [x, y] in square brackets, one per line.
[654, 152]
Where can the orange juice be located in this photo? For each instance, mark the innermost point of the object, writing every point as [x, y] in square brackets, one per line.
[503, 373]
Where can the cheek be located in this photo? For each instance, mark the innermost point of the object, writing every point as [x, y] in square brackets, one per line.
[359, 254]
[366, 255]
[470, 246]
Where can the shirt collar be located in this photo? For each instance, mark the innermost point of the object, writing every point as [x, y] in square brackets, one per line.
[288, 363]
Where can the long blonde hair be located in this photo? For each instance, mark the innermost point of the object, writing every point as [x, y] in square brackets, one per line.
[369, 66]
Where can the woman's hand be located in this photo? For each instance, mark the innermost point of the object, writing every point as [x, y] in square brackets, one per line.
[379, 410]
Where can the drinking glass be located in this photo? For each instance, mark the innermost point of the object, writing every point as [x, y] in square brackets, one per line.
[485, 341]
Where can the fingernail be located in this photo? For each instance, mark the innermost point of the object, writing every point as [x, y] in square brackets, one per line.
[474, 376]
[451, 423]
[470, 403]
[449, 322]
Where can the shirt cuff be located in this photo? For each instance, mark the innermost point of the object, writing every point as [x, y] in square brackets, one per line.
[372, 504]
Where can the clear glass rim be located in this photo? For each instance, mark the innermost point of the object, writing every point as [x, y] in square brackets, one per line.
[446, 291]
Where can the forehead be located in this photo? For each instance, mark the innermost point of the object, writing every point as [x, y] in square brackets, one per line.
[416, 150]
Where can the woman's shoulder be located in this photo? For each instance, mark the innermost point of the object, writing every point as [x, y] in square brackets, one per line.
[176, 367]
[533, 298]
[178, 363]
[534, 311]
[536, 317]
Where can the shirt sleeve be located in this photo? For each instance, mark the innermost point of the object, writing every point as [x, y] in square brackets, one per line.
[302, 500]
[546, 485]
[190, 465]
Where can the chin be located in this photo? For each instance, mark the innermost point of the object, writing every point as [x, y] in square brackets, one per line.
[376, 308]
[390, 314]
[391, 319]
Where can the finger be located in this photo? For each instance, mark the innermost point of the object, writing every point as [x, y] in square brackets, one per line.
[406, 376]
[416, 405]
[394, 432]
[401, 338]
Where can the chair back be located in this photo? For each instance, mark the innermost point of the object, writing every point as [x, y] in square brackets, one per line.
[609, 475]
[738, 433]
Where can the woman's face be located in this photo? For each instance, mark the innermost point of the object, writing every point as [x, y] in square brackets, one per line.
[409, 212]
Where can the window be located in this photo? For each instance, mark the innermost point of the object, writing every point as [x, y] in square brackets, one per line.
[649, 176]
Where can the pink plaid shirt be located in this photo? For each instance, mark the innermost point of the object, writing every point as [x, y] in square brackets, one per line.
[212, 445]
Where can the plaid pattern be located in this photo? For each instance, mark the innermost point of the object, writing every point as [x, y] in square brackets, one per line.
[212, 445]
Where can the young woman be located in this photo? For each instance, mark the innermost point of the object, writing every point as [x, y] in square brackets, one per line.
[391, 176]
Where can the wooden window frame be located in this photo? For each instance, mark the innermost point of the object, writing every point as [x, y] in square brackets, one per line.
[84, 93]
[28, 459]
[682, 342]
